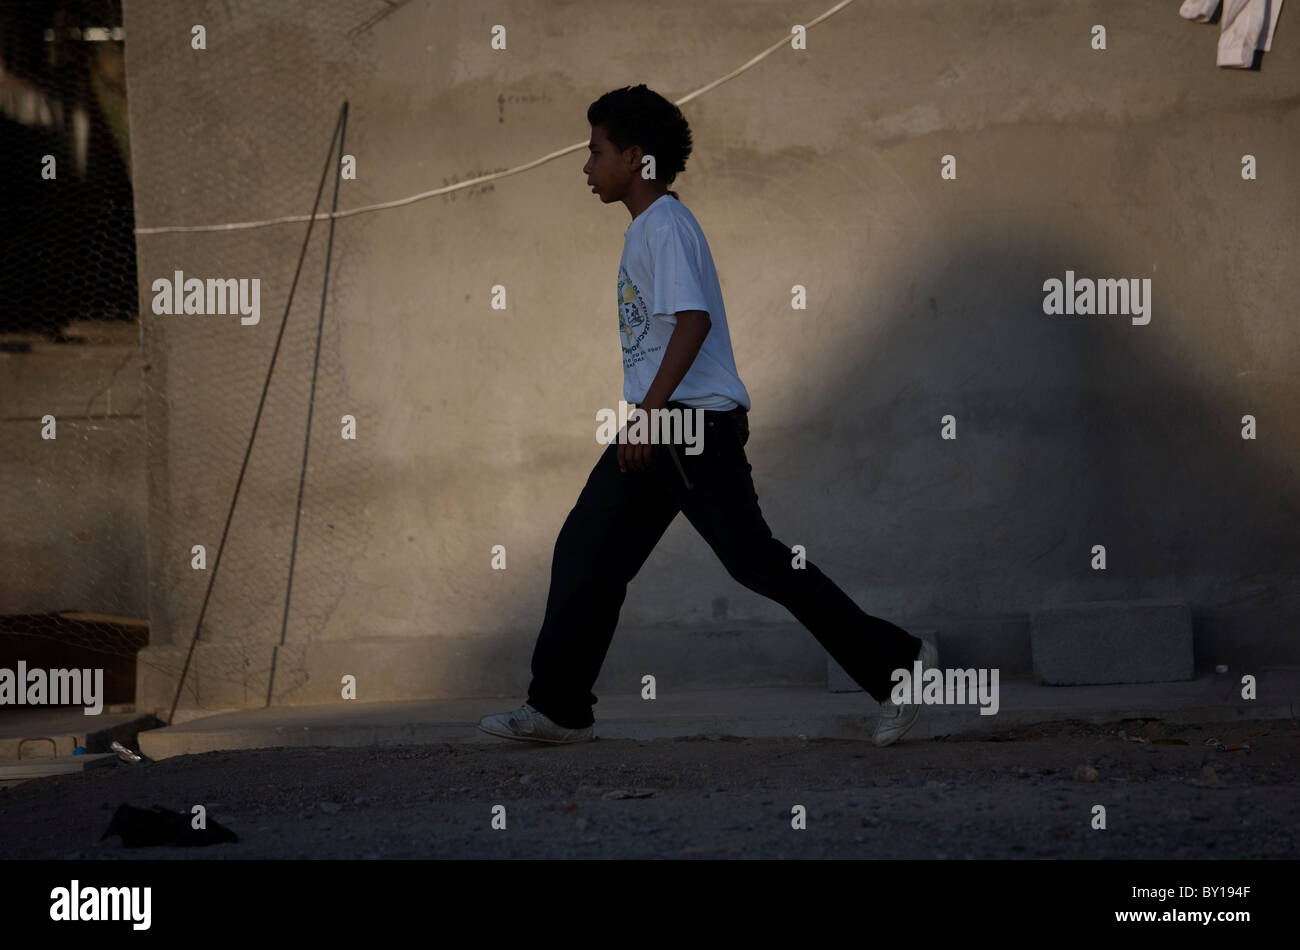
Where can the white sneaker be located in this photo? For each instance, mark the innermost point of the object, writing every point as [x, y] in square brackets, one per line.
[531, 725]
[896, 719]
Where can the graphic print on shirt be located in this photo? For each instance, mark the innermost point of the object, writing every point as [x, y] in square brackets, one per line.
[633, 321]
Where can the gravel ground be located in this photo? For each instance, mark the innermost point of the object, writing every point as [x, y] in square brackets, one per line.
[1026, 793]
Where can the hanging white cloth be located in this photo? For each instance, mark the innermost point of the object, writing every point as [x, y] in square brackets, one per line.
[1200, 11]
[1247, 26]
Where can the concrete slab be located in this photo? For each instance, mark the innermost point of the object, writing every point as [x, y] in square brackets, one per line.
[18, 771]
[808, 711]
[47, 732]
[1123, 641]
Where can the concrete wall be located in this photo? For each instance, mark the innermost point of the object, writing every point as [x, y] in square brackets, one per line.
[819, 167]
[75, 506]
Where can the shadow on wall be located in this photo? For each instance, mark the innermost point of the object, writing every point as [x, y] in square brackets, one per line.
[1072, 431]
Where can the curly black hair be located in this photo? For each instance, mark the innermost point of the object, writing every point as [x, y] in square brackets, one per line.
[635, 115]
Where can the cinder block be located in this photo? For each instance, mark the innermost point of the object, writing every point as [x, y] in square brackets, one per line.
[1133, 641]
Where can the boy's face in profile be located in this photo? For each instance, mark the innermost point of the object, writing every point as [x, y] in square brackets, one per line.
[608, 169]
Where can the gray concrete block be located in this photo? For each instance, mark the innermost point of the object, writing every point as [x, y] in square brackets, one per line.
[1135, 641]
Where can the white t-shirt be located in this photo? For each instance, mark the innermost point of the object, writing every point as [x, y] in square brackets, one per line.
[666, 267]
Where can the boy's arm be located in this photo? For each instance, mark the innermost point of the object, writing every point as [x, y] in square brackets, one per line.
[683, 346]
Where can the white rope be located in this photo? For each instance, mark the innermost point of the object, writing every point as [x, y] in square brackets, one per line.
[325, 215]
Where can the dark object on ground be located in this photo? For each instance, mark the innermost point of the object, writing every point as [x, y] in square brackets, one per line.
[140, 828]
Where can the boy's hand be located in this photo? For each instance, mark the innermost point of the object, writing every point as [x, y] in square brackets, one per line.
[634, 456]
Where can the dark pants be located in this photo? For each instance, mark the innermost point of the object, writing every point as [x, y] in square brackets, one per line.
[620, 517]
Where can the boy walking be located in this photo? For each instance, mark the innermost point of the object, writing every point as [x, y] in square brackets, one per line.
[676, 355]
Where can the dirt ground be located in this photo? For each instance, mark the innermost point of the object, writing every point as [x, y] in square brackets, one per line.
[1026, 793]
